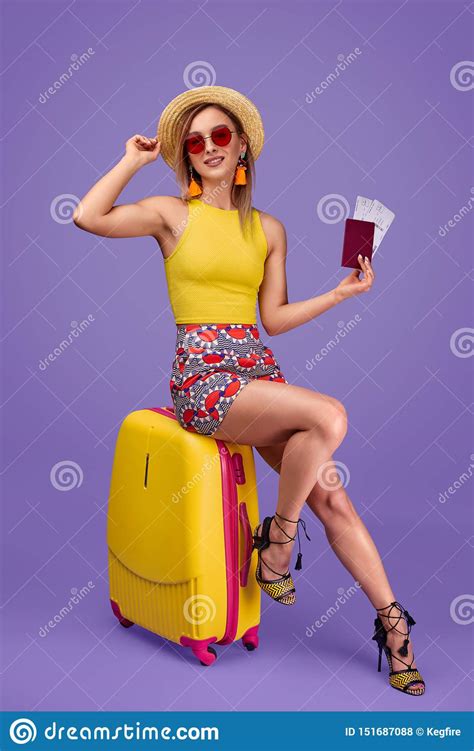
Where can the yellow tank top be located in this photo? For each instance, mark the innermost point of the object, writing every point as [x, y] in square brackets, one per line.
[214, 272]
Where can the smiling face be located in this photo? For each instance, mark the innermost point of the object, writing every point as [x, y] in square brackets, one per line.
[216, 160]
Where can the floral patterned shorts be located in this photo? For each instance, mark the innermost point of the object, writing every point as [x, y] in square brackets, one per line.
[212, 364]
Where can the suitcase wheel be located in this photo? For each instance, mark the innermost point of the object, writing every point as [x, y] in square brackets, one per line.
[123, 621]
[250, 639]
[207, 657]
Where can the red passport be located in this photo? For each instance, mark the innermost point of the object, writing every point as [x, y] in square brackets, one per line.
[358, 238]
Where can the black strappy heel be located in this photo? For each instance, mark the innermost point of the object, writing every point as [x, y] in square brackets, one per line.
[402, 680]
[282, 589]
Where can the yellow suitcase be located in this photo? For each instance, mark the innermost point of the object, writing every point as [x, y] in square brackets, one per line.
[181, 511]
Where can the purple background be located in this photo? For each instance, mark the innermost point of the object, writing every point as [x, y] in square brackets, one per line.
[392, 127]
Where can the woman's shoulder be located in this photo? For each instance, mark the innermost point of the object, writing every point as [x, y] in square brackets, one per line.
[270, 221]
[273, 228]
[173, 209]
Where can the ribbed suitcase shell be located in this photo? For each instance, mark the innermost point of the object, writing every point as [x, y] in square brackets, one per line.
[181, 511]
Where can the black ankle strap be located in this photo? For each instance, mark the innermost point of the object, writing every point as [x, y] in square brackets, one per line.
[285, 519]
[409, 620]
[279, 573]
[299, 558]
[290, 539]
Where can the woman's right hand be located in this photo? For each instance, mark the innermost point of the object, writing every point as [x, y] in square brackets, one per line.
[142, 149]
[97, 213]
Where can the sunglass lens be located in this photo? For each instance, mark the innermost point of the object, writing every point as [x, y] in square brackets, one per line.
[221, 136]
[194, 144]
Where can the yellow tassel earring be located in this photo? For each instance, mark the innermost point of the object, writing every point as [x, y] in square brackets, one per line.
[194, 189]
[240, 176]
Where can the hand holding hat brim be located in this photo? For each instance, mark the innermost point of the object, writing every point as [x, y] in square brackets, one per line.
[229, 98]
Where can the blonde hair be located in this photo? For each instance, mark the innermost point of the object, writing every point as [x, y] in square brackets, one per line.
[241, 195]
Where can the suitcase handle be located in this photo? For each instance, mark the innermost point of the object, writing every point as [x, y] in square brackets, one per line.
[248, 543]
[239, 471]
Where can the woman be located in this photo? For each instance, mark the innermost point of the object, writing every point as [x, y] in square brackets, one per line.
[219, 253]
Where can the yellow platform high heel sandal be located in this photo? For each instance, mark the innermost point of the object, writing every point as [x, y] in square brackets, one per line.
[282, 589]
[402, 680]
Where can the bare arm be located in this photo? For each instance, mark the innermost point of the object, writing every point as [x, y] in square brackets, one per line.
[276, 313]
[96, 212]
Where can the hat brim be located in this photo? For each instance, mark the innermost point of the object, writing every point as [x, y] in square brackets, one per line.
[229, 98]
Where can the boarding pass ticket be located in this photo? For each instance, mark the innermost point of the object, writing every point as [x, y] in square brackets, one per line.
[373, 211]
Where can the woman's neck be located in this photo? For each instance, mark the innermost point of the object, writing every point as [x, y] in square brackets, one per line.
[219, 200]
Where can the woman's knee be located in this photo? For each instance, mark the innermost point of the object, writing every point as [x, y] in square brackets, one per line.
[336, 503]
[330, 418]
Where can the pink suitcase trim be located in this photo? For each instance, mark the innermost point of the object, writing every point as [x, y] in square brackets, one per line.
[200, 648]
[239, 470]
[117, 612]
[231, 540]
[248, 543]
[250, 638]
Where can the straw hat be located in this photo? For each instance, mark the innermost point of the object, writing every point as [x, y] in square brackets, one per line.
[229, 98]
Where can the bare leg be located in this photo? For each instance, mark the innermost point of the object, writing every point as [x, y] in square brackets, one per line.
[355, 548]
[296, 430]
[314, 425]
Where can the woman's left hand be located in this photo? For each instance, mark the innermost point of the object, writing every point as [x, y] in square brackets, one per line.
[352, 284]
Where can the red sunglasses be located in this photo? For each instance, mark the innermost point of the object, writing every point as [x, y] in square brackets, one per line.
[221, 136]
